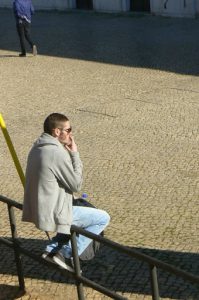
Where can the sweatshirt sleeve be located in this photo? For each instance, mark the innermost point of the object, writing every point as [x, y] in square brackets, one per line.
[68, 170]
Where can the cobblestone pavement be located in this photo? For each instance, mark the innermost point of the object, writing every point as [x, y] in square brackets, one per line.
[130, 86]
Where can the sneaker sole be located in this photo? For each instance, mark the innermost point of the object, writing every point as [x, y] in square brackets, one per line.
[62, 264]
[34, 51]
[48, 258]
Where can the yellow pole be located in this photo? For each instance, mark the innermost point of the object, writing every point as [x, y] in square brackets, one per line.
[12, 150]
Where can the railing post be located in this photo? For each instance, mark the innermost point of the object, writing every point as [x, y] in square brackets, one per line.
[154, 283]
[16, 248]
[77, 265]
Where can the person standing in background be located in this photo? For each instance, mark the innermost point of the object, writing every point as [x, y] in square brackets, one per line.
[23, 10]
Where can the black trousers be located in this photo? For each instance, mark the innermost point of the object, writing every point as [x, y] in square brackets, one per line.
[23, 29]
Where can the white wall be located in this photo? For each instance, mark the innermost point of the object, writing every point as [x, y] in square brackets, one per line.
[197, 6]
[111, 5]
[54, 4]
[45, 4]
[6, 3]
[174, 8]
[98, 5]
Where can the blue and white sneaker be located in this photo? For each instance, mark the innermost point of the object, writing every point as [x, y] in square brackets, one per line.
[65, 263]
[48, 256]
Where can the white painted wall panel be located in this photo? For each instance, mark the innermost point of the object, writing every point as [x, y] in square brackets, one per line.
[111, 5]
[174, 8]
[44, 4]
[54, 4]
[6, 3]
[197, 6]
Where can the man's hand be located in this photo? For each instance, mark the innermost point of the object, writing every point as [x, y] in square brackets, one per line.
[72, 147]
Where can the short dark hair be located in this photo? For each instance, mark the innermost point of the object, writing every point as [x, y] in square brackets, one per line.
[53, 121]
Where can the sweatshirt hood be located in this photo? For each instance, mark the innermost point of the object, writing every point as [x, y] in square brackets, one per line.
[46, 139]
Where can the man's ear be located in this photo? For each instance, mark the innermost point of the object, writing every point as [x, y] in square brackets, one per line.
[56, 132]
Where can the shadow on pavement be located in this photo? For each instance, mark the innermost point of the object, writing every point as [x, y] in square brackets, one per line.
[114, 270]
[134, 40]
[3, 56]
[10, 292]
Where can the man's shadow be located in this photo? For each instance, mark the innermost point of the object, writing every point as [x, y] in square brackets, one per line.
[11, 55]
[113, 270]
[8, 55]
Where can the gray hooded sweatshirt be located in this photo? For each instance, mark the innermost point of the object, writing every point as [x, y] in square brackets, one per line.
[52, 175]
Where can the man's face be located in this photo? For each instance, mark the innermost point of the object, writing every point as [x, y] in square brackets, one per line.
[64, 133]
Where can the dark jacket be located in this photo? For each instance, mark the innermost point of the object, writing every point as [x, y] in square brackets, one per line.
[23, 9]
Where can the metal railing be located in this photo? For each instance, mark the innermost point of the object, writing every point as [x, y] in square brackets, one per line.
[80, 280]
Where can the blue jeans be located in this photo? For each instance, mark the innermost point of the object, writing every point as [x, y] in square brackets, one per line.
[91, 219]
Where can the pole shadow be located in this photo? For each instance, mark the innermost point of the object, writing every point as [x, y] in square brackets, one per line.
[10, 292]
[113, 270]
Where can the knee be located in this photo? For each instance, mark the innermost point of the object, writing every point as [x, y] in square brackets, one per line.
[106, 217]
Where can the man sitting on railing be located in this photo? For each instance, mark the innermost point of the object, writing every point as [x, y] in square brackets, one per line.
[53, 174]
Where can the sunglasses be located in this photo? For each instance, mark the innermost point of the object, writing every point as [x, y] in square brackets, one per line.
[68, 130]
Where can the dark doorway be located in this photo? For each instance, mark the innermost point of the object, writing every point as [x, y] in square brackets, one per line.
[84, 4]
[140, 5]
